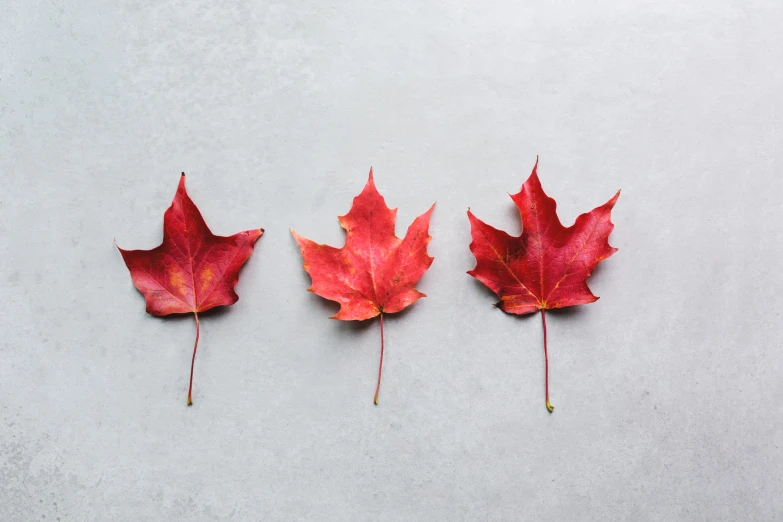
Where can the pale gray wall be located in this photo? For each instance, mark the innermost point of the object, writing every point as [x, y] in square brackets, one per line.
[668, 391]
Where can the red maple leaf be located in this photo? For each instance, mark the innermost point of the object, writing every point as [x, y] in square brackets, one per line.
[375, 273]
[548, 264]
[193, 270]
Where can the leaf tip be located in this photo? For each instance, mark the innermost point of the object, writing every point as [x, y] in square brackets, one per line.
[533, 178]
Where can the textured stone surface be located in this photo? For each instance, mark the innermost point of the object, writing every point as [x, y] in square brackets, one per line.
[668, 394]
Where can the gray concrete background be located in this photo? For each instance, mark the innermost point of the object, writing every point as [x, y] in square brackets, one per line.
[668, 391]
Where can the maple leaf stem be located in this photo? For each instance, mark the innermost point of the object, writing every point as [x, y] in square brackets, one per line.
[546, 365]
[380, 366]
[193, 361]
